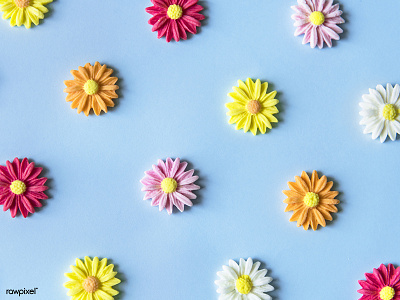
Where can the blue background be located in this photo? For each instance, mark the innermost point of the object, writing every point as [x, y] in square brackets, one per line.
[172, 104]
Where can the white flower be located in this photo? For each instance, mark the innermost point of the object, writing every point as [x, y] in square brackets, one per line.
[381, 112]
[243, 281]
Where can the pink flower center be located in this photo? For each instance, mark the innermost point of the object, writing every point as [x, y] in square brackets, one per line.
[22, 3]
[91, 284]
[253, 106]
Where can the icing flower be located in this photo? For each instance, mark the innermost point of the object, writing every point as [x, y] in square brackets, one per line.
[20, 187]
[92, 87]
[24, 12]
[311, 200]
[252, 107]
[382, 284]
[243, 281]
[172, 18]
[317, 20]
[168, 184]
[381, 112]
[92, 280]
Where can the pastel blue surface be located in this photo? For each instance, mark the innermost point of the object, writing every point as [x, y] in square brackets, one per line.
[172, 104]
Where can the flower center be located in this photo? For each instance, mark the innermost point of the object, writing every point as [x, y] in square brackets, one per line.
[311, 199]
[169, 185]
[244, 284]
[91, 284]
[174, 12]
[22, 3]
[91, 87]
[18, 187]
[253, 106]
[317, 18]
[389, 112]
[387, 293]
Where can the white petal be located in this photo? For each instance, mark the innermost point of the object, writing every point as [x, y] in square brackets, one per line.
[382, 91]
[248, 266]
[394, 99]
[262, 281]
[368, 105]
[370, 99]
[224, 275]
[242, 265]
[234, 266]
[391, 131]
[378, 129]
[259, 274]
[231, 272]
[254, 269]
[396, 125]
[377, 95]
[384, 132]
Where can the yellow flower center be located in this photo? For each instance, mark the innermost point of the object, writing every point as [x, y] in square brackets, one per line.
[317, 18]
[244, 284]
[169, 185]
[387, 293]
[18, 187]
[91, 87]
[253, 106]
[174, 12]
[311, 199]
[22, 3]
[91, 284]
[389, 112]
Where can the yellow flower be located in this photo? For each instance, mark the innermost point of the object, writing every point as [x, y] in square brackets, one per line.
[24, 12]
[92, 280]
[252, 108]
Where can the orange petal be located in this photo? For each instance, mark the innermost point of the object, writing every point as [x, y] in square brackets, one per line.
[84, 73]
[293, 194]
[329, 201]
[328, 207]
[320, 218]
[314, 180]
[292, 200]
[306, 179]
[320, 184]
[302, 184]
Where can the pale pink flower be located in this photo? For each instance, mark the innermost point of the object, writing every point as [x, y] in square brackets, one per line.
[317, 20]
[168, 184]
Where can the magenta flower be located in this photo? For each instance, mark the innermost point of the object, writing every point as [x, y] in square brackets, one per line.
[172, 18]
[383, 283]
[20, 187]
[168, 184]
[317, 20]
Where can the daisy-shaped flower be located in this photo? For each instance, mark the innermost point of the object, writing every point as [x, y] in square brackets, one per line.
[311, 200]
[381, 112]
[168, 184]
[317, 20]
[24, 12]
[252, 107]
[244, 281]
[92, 87]
[92, 280]
[382, 284]
[173, 18]
[20, 187]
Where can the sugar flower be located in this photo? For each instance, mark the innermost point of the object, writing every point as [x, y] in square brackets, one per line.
[92, 87]
[311, 200]
[20, 187]
[24, 12]
[92, 280]
[381, 112]
[173, 18]
[317, 20]
[244, 281]
[168, 184]
[382, 284]
[252, 107]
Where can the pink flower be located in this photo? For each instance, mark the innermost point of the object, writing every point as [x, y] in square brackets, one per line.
[172, 18]
[20, 188]
[168, 184]
[383, 283]
[317, 20]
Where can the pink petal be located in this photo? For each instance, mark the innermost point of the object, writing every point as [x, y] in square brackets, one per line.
[169, 205]
[194, 9]
[14, 209]
[9, 202]
[163, 167]
[186, 193]
[35, 173]
[158, 171]
[327, 6]
[185, 175]
[188, 180]
[160, 3]
[152, 194]
[163, 201]
[330, 32]
[168, 36]
[153, 10]
[320, 39]
[175, 31]
[26, 203]
[175, 167]
[169, 161]
[11, 170]
[151, 188]
[191, 20]
[189, 3]
[190, 187]
[183, 199]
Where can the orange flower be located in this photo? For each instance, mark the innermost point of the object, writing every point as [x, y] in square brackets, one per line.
[92, 87]
[311, 200]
